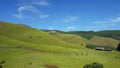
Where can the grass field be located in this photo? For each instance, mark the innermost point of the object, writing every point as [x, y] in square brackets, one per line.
[22, 58]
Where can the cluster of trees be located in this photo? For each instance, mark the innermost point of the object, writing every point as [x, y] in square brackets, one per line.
[86, 34]
[94, 65]
[91, 46]
[115, 34]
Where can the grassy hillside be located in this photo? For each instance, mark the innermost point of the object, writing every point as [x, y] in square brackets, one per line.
[23, 36]
[24, 47]
[105, 41]
[70, 38]
[97, 40]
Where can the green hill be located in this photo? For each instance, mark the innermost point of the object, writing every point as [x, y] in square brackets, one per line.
[14, 35]
[70, 38]
[102, 41]
[97, 39]
[22, 46]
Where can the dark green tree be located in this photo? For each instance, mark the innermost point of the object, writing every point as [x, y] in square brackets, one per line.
[118, 47]
[0, 66]
[93, 65]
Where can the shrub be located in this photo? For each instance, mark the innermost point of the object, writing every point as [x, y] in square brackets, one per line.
[0, 66]
[30, 63]
[51, 66]
[118, 47]
[30, 36]
[19, 47]
[2, 62]
[3, 25]
[90, 46]
[40, 37]
[93, 65]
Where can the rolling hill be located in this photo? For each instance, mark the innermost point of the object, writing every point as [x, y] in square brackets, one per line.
[102, 41]
[16, 35]
[22, 46]
[70, 38]
[97, 39]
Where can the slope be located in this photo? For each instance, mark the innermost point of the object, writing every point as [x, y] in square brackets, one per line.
[70, 38]
[27, 37]
[97, 40]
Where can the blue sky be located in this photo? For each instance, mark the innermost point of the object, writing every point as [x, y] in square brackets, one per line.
[63, 15]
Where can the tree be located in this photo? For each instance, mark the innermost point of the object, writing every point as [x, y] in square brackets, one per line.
[118, 47]
[93, 65]
[0, 66]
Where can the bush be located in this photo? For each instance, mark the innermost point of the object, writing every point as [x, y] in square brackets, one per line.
[93, 65]
[30, 63]
[90, 46]
[3, 25]
[51, 66]
[40, 37]
[30, 36]
[2, 62]
[118, 47]
[0, 66]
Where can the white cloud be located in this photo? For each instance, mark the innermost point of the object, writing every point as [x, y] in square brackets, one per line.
[50, 28]
[70, 19]
[71, 27]
[112, 24]
[109, 20]
[21, 9]
[30, 7]
[42, 3]
[44, 16]
[19, 16]
[27, 8]
[34, 2]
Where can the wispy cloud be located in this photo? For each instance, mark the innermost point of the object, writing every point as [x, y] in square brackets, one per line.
[44, 16]
[71, 27]
[70, 19]
[42, 3]
[21, 9]
[19, 15]
[109, 20]
[50, 28]
[29, 6]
